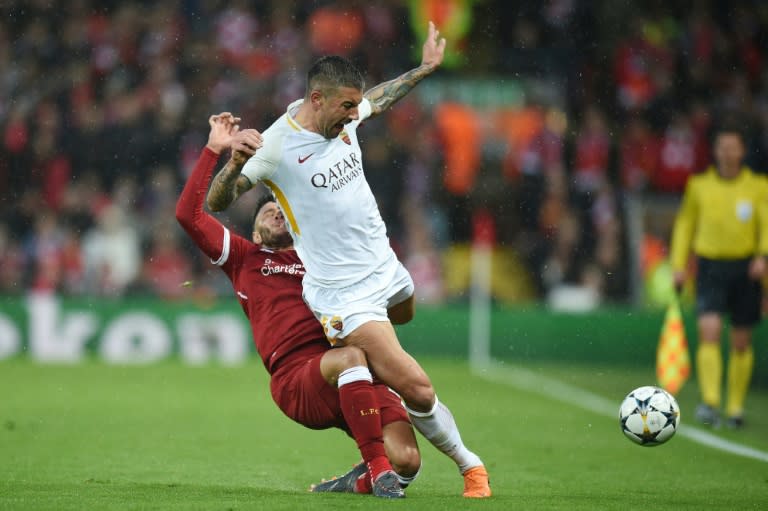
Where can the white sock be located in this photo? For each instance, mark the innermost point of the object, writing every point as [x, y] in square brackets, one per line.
[439, 427]
[353, 374]
[405, 481]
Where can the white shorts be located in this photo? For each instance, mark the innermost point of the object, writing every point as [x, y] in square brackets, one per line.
[342, 310]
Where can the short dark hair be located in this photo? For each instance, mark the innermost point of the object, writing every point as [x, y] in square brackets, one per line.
[332, 72]
[263, 201]
[730, 127]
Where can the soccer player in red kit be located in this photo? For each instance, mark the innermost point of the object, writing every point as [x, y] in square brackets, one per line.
[313, 384]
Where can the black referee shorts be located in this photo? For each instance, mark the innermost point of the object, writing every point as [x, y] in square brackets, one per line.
[724, 286]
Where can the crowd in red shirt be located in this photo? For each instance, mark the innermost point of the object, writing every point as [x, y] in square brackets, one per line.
[103, 108]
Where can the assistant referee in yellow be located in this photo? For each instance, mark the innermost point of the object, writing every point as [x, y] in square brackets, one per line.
[724, 220]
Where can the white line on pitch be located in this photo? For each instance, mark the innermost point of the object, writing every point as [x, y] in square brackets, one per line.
[528, 380]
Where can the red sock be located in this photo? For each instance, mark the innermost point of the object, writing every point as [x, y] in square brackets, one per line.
[378, 465]
[364, 484]
[361, 411]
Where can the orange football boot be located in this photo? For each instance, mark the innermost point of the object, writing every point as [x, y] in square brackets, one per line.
[476, 484]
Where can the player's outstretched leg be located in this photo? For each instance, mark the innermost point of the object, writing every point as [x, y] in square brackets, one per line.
[358, 480]
[360, 408]
[386, 485]
[439, 427]
[399, 370]
[348, 483]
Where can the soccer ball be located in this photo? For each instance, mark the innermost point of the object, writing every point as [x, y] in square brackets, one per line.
[649, 416]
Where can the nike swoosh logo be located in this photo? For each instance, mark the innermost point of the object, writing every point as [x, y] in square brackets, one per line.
[302, 160]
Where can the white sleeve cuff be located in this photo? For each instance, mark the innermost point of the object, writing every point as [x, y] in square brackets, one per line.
[224, 250]
[364, 109]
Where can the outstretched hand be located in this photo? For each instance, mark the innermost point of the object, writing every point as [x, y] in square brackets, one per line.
[223, 128]
[225, 133]
[245, 144]
[434, 48]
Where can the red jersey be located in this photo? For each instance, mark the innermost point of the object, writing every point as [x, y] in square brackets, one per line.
[639, 157]
[679, 155]
[267, 283]
[592, 155]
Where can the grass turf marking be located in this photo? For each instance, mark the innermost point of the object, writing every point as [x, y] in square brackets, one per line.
[530, 381]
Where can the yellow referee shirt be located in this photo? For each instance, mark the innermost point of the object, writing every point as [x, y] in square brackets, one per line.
[722, 218]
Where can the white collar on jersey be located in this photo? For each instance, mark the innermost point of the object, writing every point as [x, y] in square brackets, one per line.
[291, 114]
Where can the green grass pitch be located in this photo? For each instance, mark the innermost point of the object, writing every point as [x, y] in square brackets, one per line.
[169, 436]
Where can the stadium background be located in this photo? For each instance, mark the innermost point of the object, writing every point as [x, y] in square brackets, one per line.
[564, 129]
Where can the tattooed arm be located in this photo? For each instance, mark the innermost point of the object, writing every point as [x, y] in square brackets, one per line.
[229, 184]
[386, 94]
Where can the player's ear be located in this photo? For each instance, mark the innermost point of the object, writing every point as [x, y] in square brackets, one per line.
[256, 237]
[316, 98]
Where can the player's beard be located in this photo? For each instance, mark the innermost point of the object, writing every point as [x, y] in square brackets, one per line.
[275, 240]
[334, 130]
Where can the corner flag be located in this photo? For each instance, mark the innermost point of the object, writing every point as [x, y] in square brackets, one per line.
[673, 362]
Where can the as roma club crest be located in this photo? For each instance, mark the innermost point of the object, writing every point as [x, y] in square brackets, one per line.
[345, 137]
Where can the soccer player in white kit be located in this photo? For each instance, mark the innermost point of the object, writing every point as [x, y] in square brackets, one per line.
[354, 284]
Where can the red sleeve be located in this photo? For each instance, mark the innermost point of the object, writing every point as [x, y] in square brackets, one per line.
[207, 232]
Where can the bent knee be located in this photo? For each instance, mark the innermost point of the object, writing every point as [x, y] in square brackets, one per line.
[351, 356]
[338, 360]
[419, 396]
[406, 461]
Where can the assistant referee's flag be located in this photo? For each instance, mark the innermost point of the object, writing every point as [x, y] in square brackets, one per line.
[673, 362]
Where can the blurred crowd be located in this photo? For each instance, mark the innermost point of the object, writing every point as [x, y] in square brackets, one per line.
[104, 106]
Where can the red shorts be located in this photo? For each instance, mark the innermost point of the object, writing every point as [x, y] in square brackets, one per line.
[300, 391]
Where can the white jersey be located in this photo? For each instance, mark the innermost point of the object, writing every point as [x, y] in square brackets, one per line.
[329, 208]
